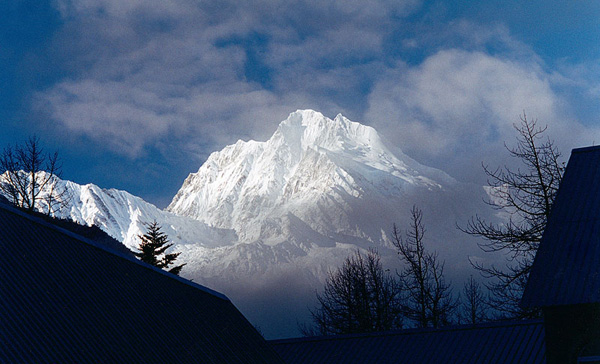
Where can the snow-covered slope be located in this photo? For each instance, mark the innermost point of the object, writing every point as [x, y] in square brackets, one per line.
[123, 216]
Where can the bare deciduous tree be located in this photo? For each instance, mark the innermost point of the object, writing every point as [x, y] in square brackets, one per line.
[358, 297]
[473, 304]
[429, 301]
[30, 177]
[526, 195]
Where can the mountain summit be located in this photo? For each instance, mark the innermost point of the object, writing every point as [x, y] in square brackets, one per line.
[313, 172]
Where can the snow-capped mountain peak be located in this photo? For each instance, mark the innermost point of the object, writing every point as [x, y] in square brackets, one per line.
[310, 129]
[312, 167]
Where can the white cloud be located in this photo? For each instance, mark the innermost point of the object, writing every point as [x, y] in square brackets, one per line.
[126, 117]
[143, 70]
[457, 108]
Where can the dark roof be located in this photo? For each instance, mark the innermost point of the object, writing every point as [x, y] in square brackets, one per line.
[566, 269]
[93, 232]
[64, 298]
[503, 342]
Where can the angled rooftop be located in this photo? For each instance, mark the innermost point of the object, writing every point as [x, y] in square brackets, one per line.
[566, 269]
[64, 298]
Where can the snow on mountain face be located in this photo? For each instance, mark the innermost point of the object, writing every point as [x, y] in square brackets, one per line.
[123, 216]
[311, 168]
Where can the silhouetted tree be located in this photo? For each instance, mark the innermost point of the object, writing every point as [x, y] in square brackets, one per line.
[154, 243]
[473, 303]
[358, 297]
[30, 177]
[428, 300]
[526, 195]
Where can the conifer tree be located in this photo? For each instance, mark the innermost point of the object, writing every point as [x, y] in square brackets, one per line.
[153, 246]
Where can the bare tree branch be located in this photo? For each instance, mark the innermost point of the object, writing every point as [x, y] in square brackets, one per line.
[428, 297]
[474, 303]
[358, 297]
[30, 178]
[526, 195]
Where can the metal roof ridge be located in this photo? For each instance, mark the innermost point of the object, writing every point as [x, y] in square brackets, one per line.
[47, 224]
[409, 331]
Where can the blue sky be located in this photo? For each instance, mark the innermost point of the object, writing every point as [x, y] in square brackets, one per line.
[136, 93]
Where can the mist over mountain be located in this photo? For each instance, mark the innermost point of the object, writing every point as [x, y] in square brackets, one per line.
[263, 222]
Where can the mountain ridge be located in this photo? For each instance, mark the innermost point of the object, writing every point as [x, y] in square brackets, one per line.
[292, 206]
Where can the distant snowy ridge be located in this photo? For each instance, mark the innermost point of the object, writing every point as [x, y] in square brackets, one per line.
[124, 216]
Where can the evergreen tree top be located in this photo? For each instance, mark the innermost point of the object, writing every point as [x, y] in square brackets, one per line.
[154, 243]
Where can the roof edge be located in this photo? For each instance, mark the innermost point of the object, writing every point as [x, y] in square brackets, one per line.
[39, 221]
[593, 148]
[486, 325]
